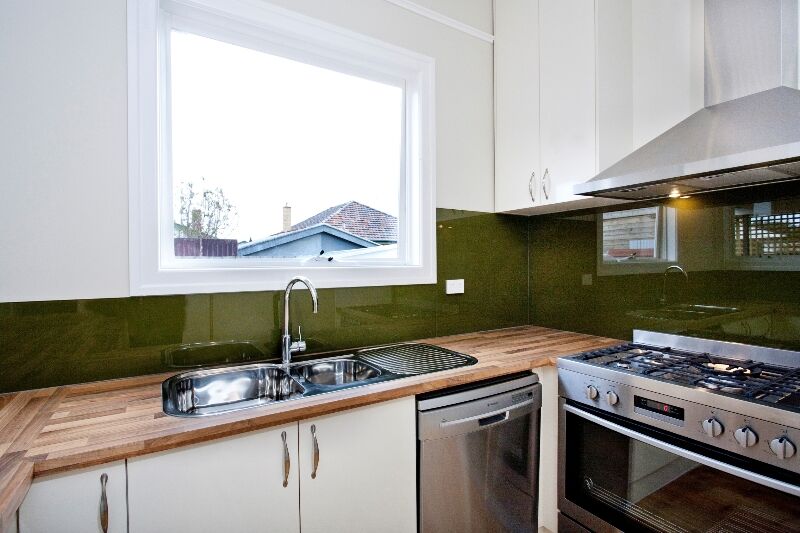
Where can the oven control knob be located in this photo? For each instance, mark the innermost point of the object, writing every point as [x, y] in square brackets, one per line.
[612, 398]
[746, 437]
[591, 392]
[712, 427]
[782, 447]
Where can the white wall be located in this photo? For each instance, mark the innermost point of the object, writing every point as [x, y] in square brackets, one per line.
[63, 130]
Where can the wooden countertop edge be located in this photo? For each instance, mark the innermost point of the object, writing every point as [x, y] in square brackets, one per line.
[13, 488]
[17, 470]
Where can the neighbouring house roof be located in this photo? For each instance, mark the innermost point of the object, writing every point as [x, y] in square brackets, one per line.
[250, 248]
[356, 219]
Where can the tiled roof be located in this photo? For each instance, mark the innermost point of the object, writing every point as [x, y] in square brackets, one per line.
[358, 219]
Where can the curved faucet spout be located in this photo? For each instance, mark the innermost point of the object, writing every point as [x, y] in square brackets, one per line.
[663, 299]
[287, 346]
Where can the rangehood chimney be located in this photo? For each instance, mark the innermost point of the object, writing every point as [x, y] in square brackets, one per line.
[748, 133]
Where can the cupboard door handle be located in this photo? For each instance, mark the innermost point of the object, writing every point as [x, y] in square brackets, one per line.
[530, 186]
[287, 463]
[545, 183]
[316, 451]
[103, 503]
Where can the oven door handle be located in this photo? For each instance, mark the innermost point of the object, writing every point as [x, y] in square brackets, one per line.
[686, 454]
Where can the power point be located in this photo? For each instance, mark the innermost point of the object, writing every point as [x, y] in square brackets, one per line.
[454, 286]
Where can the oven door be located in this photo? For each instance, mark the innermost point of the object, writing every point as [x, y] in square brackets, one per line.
[620, 475]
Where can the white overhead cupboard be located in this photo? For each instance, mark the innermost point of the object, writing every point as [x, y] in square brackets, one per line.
[579, 84]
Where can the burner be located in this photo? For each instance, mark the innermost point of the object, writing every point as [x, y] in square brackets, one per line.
[722, 384]
[741, 377]
[727, 367]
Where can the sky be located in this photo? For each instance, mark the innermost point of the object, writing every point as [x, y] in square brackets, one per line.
[270, 131]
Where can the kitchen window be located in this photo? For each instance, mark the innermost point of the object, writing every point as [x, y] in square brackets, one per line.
[636, 240]
[265, 144]
[763, 236]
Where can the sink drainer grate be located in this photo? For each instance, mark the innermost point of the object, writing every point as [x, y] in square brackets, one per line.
[413, 359]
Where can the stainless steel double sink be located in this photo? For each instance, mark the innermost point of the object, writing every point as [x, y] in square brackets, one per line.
[220, 390]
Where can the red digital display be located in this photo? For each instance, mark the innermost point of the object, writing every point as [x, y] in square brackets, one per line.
[658, 407]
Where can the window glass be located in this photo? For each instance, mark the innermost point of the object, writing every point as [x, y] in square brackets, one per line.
[768, 229]
[276, 158]
[631, 235]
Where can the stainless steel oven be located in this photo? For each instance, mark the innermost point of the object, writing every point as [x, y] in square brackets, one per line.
[642, 454]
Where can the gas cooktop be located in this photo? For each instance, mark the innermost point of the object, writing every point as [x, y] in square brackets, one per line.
[741, 398]
[756, 380]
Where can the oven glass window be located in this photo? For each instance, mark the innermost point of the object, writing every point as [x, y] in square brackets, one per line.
[637, 487]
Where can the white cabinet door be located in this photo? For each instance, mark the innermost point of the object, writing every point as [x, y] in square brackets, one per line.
[516, 70]
[233, 485]
[71, 502]
[567, 96]
[364, 476]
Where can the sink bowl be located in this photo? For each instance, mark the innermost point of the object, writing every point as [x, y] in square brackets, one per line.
[220, 390]
[211, 353]
[336, 372]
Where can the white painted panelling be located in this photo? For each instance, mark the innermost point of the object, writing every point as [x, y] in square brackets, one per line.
[366, 476]
[614, 81]
[70, 502]
[440, 17]
[667, 65]
[63, 170]
[476, 13]
[233, 484]
[548, 450]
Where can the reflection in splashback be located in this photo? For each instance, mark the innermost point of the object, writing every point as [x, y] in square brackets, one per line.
[741, 253]
[52, 343]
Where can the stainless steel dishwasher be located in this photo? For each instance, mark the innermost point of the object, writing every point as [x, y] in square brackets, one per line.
[479, 456]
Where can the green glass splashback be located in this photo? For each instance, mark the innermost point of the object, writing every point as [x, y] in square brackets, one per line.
[517, 270]
[59, 342]
[755, 300]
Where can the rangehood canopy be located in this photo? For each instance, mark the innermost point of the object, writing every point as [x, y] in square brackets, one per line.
[749, 131]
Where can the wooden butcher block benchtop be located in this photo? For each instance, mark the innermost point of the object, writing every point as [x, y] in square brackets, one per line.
[49, 430]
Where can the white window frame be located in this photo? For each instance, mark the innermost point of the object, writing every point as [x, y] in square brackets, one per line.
[731, 261]
[666, 248]
[261, 26]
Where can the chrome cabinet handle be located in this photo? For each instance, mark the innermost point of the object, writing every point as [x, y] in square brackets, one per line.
[103, 503]
[287, 463]
[545, 183]
[530, 186]
[316, 451]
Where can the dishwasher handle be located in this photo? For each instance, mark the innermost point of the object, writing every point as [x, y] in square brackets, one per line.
[478, 415]
[486, 419]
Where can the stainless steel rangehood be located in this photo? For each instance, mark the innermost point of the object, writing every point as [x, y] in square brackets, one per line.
[749, 131]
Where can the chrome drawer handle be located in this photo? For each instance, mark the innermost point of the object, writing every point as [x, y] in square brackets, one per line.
[287, 464]
[316, 451]
[103, 503]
